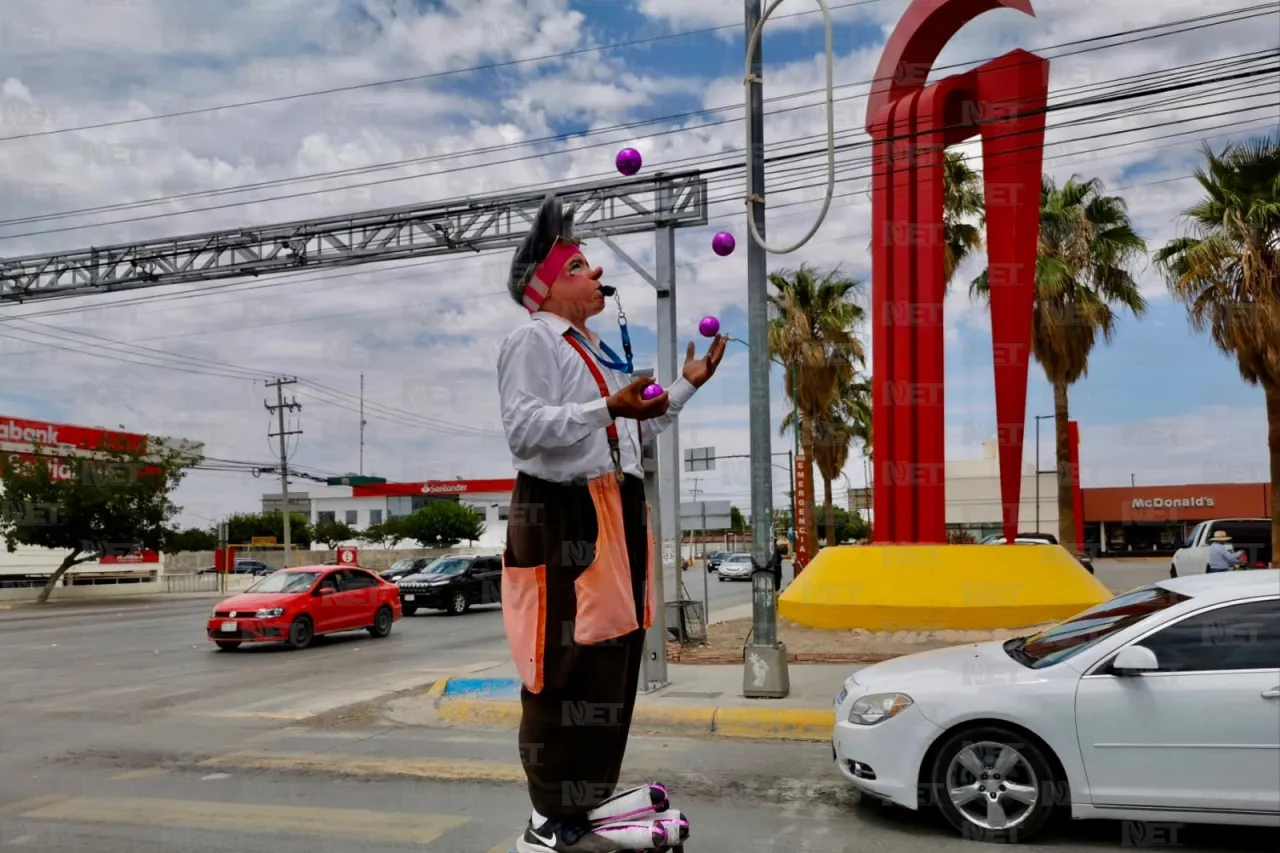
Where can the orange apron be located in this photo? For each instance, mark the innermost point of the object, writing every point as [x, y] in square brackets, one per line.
[606, 607]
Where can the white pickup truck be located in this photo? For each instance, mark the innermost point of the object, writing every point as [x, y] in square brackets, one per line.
[1249, 536]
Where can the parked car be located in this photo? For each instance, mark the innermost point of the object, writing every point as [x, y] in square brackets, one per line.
[453, 584]
[243, 567]
[403, 568]
[1249, 536]
[296, 605]
[735, 567]
[714, 558]
[1103, 716]
[1038, 539]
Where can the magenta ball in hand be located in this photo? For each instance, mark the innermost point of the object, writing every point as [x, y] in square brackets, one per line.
[629, 161]
[651, 392]
[709, 327]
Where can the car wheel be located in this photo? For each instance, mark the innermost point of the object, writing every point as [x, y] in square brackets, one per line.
[995, 786]
[228, 645]
[458, 604]
[382, 622]
[301, 632]
[409, 609]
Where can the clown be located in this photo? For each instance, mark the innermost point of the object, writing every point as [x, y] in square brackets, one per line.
[577, 570]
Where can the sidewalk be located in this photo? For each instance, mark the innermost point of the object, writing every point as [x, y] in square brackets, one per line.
[702, 700]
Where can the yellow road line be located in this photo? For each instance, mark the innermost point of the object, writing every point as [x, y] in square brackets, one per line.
[24, 806]
[454, 770]
[504, 847]
[399, 828]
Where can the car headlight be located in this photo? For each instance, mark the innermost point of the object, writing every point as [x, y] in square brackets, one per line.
[269, 613]
[841, 696]
[878, 707]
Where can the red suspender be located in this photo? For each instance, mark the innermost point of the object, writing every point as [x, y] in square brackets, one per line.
[615, 450]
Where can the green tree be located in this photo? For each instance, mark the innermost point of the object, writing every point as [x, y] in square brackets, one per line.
[332, 533]
[1227, 273]
[814, 336]
[192, 539]
[1086, 251]
[962, 204]
[243, 527]
[112, 504]
[737, 523]
[383, 533]
[443, 523]
[848, 525]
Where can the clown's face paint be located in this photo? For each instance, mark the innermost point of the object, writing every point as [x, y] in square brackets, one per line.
[575, 290]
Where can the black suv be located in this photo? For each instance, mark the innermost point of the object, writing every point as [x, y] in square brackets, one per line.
[453, 584]
[401, 569]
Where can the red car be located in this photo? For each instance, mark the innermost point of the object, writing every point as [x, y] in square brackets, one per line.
[296, 605]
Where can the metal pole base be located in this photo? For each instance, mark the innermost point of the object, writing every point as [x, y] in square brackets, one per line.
[765, 674]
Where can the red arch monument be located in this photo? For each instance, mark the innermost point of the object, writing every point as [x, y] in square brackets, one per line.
[911, 124]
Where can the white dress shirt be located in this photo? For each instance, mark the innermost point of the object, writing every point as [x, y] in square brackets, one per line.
[552, 410]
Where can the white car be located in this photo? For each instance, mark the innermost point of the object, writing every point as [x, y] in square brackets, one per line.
[735, 567]
[1162, 704]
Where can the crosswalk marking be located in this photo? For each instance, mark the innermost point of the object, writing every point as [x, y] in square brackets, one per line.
[455, 770]
[22, 806]
[399, 828]
[144, 773]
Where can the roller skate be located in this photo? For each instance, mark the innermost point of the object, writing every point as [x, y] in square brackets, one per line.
[641, 819]
[640, 802]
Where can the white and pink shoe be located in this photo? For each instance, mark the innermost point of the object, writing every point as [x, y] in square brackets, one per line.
[663, 832]
[641, 802]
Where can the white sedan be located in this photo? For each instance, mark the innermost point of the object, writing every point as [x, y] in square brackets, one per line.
[1162, 704]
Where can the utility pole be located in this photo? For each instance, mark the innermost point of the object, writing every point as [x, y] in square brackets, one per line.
[693, 551]
[765, 670]
[279, 409]
[362, 424]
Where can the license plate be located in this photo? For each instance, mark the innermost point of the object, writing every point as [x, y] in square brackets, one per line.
[408, 598]
[230, 626]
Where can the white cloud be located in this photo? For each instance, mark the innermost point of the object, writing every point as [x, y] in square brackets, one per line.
[424, 333]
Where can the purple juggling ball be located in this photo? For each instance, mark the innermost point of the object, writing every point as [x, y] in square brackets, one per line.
[629, 161]
[651, 392]
[709, 327]
[723, 244]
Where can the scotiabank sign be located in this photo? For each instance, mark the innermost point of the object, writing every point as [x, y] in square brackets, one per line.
[15, 431]
[1171, 503]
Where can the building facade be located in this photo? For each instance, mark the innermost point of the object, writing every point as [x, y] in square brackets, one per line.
[299, 502]
[1153, 520]
[65, 443]
[360, 506]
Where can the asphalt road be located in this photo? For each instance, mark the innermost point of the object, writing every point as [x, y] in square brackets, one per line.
[125, 732]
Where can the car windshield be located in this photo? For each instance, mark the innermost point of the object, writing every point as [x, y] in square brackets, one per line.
[401, 565]
[447, 567]
[1069, 638]
[285, 582]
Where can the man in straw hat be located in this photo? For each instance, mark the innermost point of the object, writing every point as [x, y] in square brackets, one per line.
[1222, 557]
[576, 577]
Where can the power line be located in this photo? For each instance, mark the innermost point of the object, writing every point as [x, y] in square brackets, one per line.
[417, 77]
[561, 137]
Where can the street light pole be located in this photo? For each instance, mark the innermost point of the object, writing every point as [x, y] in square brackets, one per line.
[765, 668]
[1039, 418]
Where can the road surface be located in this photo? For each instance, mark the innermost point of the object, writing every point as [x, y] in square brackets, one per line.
[125, 732]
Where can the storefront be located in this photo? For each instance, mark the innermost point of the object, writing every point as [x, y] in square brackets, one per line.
[1154, 520]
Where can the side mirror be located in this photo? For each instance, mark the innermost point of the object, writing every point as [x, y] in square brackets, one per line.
[1135, 660]
[325, 590]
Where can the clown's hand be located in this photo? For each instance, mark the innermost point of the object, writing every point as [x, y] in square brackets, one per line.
[628, 403]
[698, 371]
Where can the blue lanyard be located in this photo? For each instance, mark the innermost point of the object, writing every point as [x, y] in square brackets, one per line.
[611, 359]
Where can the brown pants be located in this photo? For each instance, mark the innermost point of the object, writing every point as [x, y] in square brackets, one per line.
[573, 733]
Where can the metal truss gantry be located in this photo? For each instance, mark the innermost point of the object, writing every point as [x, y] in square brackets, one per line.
[414, 231]
[659, 204]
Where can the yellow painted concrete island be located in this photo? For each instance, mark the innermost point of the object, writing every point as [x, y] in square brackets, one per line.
[939, 587]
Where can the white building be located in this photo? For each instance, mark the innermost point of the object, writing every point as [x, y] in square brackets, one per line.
[360, 506]
[973, 497]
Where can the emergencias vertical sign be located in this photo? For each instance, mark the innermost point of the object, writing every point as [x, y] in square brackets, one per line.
[802, 512]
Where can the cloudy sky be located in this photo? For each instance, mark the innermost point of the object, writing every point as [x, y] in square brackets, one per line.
[441, 99]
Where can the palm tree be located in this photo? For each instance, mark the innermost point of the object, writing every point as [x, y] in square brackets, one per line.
[961, 202]
[847, 418]
[1087, 245]
[813, 335]
[1227, 273]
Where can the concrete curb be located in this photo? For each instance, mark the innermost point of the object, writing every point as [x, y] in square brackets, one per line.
[457, 705]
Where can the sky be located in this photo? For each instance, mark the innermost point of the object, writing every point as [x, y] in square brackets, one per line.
[511, 95]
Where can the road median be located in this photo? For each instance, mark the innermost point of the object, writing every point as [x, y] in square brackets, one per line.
[468, 703]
